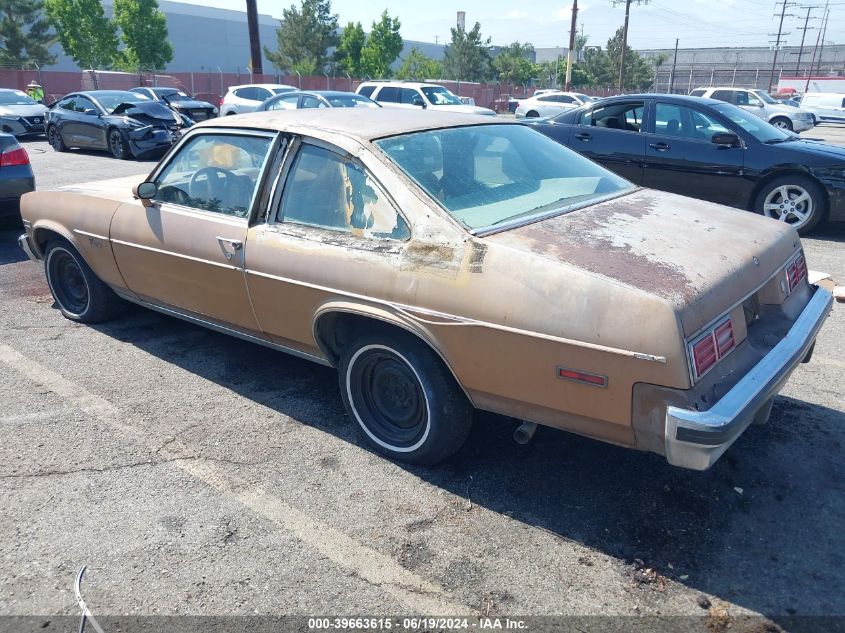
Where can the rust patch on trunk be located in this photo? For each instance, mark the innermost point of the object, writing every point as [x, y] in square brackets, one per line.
[476, 258]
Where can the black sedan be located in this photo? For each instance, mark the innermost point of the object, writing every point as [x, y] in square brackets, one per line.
[118, 121]
[16, 178]
[179, 101]
[710, 150]
[316, 99]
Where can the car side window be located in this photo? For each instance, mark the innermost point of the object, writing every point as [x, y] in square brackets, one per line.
[262, 94]
[284, 103]
[328, 191]
[742, 98]
[215, 172]
[724, 95]
[312, 102]
[626, 116]
[389, 94]
[698, 92]
[410, 96]
[367, 91]
[246, 93]
[564, 99]
[67, 103]
[82, 104]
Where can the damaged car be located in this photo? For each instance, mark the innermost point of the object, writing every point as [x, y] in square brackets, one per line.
[447, 263]
[123, 123]
[180, 102]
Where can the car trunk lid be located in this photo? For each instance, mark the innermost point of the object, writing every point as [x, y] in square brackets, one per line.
[701, 257]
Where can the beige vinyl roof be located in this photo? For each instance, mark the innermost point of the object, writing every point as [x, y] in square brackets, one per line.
[360, 123]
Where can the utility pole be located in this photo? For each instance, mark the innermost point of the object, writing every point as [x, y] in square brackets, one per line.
[254, 38]
[777, 43]
[821, 47]
[625, 38]
[815, 49]
[674, 64]
[569, 55]
[803, 35]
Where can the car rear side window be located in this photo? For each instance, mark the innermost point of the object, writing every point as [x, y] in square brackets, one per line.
[698, 92]
[389, 94]
[728, 96]
[367, 91]
[247, 93]
[284, 103]
[328, 191]
[312, 102]
[215, 172]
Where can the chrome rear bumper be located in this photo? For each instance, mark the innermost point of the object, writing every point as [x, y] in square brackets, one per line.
[696, 439]
[26, 247]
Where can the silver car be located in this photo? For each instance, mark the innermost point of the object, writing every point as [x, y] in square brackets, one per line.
[760, 104]
[20, 114]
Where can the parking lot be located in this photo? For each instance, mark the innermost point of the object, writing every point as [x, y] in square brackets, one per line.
[194, 473]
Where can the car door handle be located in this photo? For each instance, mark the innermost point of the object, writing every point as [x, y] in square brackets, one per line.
[660, 147]
[236, 245]
[584, 136]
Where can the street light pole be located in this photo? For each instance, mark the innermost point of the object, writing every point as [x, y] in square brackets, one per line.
[571, 45]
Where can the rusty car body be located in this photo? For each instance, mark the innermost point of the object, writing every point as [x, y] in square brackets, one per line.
[443, 263]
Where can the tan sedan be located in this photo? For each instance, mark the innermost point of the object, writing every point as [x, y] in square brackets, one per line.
[445, 263]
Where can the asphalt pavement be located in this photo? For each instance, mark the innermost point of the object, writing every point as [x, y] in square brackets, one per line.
[195, 474]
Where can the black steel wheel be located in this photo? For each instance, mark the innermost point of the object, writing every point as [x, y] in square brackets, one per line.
[405, 401]
[79, 293]
[118, 145]
[54, 138]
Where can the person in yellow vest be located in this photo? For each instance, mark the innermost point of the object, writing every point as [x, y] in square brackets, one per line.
[35, 91]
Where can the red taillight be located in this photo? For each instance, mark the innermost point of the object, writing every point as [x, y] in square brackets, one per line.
[713, 347]
[220, 105]
[704, 355]
[15, 155]
[796, 271]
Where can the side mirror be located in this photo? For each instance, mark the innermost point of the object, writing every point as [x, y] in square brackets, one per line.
[145, 192]
[89, 111]
[728, 139]
[417, 101]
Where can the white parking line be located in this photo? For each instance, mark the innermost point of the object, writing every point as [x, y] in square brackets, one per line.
[37, 416]
[417, 593]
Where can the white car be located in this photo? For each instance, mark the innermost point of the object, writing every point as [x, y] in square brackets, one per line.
[248, 97]
[408, 94]
[759, 103]
[828, 107]
[550, 103]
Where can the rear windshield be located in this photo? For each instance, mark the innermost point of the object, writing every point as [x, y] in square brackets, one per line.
[489, 175]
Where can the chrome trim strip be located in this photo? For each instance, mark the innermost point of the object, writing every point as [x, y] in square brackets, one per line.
[696, 439]
[409, 310]
[179, 255]
[223, 329]
[94, 235]
[545, 215]
[26, 247]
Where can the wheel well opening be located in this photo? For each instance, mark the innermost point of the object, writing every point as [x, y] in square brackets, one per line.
[334, 330]
[763, 183]
[41, 236]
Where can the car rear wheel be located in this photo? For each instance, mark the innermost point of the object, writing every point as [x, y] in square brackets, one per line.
[796, 200]
[54, 138]
[118, 146]
[782, 123]
[79, 293]
[404, 400]
[532, 114]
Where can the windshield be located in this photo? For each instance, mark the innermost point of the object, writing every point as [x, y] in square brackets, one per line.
[755, 126]
[110, 100]
[438, 95]
[176, 95]
[765, 97]
[490, 174]
[15, 97]
[350, 101]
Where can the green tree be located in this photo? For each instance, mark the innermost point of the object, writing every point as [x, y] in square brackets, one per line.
[304, 37]
[24, 33]
[467, 55]
[144, 35]
[599, 66]
[512, 64]
[86, 34]
[419, 66]
[639, 74]
[348, 54]
[383, 46]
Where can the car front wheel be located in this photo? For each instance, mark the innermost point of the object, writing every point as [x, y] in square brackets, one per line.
[54, 138]
[782, 123]
[796, 200]
[118, 146]
[404, 400]
[79, 293]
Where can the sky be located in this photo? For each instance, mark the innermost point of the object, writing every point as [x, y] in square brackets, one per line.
[545, 23]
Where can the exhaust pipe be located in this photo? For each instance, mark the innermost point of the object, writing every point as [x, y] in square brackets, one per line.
[524, 432]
